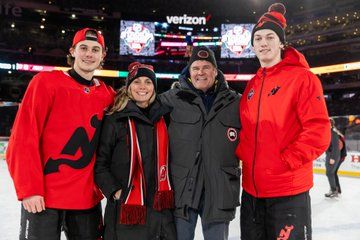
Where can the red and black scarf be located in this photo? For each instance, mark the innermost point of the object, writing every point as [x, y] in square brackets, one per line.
[133, 210]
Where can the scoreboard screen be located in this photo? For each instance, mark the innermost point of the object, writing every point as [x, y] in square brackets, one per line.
[137, 38]
[236, 41]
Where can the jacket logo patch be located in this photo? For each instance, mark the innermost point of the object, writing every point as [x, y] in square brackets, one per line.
[78, 141]
[86, 90]
[274, 91]
[250, 94]
[232, 134]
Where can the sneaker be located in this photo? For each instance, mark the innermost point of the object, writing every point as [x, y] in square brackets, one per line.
[332, 194]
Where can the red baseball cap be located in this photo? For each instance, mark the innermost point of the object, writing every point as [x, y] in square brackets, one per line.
[89, 34]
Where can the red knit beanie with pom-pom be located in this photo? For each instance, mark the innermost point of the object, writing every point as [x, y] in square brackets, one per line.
[273, 19]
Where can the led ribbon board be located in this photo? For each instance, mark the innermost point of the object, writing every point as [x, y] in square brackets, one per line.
[122, 74]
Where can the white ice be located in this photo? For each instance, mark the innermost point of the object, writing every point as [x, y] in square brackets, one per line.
[333, 219]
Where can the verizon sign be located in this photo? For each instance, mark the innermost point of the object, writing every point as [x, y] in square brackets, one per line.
[185, 19]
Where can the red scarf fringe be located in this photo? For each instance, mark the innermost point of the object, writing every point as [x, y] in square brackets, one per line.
[132, 214]
[164, 200]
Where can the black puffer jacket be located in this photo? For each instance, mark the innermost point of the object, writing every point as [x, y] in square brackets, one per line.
[112, 170]
[203, 164]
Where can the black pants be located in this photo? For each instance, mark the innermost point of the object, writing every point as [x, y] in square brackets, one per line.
[331, 173]
[47, 225]
[281, 218]
[337, 182]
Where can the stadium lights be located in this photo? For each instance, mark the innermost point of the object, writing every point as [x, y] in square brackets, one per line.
[186, 28]
[5, 66]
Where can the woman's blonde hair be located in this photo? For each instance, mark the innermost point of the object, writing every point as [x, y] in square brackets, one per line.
[122, 97]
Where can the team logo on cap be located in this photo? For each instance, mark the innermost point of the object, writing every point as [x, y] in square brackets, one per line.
[203, 54]
[91, 35]
[250, 94]
[232, 134]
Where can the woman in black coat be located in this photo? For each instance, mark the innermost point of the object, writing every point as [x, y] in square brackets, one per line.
[332, 161]
[131, 168]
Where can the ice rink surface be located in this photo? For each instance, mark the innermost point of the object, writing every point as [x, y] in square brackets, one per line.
[333, 219]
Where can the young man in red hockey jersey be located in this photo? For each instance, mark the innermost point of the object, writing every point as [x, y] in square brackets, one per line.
[51, 152]
[285, 127]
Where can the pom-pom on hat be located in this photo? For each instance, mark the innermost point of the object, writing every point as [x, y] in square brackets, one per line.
[273, 19]
[137, 69]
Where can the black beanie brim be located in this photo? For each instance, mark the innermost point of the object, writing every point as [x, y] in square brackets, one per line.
[142, 72]
[269, 25]
[202, 53]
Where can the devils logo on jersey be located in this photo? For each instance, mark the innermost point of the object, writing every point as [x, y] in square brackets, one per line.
[78, 141]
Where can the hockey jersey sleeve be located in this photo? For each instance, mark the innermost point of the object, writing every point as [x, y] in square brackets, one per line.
[315, 136]
[23, 154]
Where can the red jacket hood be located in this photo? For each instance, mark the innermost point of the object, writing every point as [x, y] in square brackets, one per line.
[291, 57]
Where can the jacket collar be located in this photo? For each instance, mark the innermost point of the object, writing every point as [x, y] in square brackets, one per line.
[187, 91]
[223, 97]
[187, 85]
[157, 110]
[291, 57]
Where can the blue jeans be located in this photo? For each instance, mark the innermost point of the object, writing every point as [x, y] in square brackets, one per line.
[185, 229]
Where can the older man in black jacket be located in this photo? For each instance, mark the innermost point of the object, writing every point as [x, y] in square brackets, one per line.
[203, 131]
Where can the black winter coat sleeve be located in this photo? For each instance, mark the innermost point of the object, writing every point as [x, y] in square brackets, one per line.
[103, 176]
[334, 151]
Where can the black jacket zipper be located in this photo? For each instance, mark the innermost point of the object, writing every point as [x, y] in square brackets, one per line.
[256, 130]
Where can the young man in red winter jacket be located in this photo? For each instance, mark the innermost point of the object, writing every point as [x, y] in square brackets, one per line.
[50, 154]
[285, 127]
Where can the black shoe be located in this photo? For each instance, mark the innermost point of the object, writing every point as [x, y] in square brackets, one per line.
[332, 194]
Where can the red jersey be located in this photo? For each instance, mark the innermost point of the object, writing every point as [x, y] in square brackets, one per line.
[51, 150]
[285, 126]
